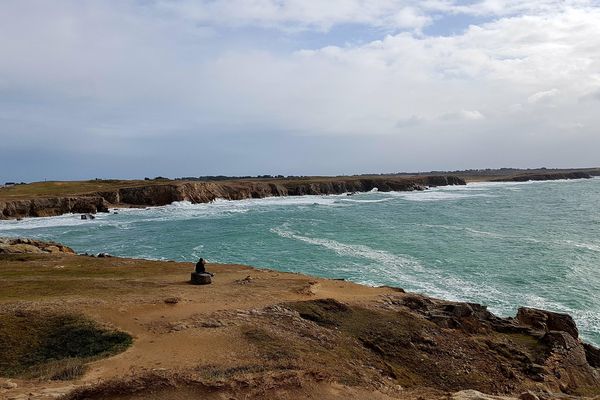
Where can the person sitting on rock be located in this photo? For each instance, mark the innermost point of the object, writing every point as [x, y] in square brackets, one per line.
[201, 267]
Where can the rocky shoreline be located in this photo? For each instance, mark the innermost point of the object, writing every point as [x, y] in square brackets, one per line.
[268, 334]
[205, 192]
[544, 177]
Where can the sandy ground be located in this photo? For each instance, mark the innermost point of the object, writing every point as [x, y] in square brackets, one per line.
[202, 345]
[136, 304]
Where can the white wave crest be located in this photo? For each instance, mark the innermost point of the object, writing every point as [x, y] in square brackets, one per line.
[436, 195]
[354, 250]
[65, 220]
[366, 200]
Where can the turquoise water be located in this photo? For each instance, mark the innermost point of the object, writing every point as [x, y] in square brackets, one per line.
[501, 244]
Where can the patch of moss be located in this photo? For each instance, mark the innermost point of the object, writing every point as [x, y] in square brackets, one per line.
[325, 312]
[270, 346]
[54, 346]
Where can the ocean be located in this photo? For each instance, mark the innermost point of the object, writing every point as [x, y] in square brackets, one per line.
[504, 245]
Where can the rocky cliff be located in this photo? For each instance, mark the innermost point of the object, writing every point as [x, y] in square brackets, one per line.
[544, 177]
[265, 334]
[204, 192]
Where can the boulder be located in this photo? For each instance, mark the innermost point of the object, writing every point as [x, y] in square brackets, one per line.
[20, 248]
[52, 249]
[8, 385]
[200, 278]
[30, 246]
[475, 395]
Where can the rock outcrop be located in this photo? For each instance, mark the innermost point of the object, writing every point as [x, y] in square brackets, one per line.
[25, 246]
[546, 321]
[558, 359]
[205, 192]
[544, 177]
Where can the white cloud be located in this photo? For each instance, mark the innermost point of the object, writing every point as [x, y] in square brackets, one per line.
[542, 96]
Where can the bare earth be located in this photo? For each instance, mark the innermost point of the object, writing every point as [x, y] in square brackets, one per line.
[267, 334]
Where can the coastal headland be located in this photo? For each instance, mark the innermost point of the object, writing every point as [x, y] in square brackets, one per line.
[84, 327]
[44, 199]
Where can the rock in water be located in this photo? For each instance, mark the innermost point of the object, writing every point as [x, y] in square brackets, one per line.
[201, 278]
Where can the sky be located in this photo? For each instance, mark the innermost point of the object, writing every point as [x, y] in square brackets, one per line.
[142, 88]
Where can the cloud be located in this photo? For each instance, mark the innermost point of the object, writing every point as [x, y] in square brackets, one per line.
[409, 122]
[299, 15]
[542, 96]
[159, 78]
[592, 94]
[462, 115]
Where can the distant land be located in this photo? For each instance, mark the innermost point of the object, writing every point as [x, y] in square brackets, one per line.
[43, 199]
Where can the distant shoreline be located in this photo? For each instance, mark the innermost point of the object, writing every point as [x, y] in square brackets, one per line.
[45, 199]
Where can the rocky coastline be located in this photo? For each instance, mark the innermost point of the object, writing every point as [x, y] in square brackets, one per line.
[544, 177]
[150, 194]
[204, 192]
[268, 334]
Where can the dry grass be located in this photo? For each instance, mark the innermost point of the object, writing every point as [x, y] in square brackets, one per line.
[43, 276]
[68, 188]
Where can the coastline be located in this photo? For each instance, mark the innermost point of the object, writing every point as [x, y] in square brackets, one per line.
[39, 200]
[58, 198]
[385, 342]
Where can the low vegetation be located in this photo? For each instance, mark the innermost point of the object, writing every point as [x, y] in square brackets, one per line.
[53, 346]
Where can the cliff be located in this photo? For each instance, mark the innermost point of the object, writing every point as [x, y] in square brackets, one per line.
[259, 334]
[544, 177]
[158, 194]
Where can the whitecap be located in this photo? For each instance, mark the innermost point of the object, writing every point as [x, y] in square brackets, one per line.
[436, 195]
[403, 270]
[366, 200]
[353, 250]
[48, 222]
[580, 245]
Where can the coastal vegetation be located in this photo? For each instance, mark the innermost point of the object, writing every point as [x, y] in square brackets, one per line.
[53, 346]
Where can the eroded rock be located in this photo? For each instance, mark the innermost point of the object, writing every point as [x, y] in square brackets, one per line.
[30, 246]
[546, 321]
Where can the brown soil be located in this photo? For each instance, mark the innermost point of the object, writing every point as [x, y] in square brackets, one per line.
[267, 334]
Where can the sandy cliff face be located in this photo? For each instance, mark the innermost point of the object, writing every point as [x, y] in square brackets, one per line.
[204, 192]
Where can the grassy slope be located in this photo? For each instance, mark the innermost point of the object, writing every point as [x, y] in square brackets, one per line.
[66, 188]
